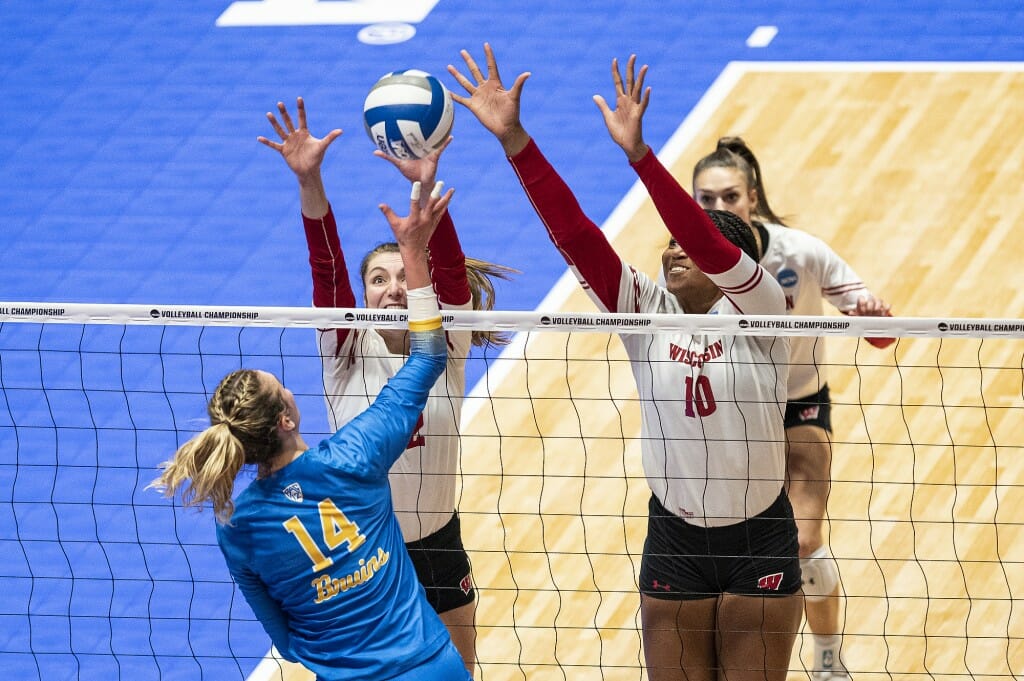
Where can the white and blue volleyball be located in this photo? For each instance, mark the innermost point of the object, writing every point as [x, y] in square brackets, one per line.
[408, 114]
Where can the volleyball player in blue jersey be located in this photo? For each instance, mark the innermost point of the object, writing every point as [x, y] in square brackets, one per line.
[313, 542]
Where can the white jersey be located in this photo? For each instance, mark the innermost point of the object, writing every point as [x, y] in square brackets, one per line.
[424, 477]
[808, 270]
[712, 405]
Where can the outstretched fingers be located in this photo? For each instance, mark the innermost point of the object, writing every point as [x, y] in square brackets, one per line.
[276, 126]
[617, 78]
[288, 125]
[438, 203]
[417, 228]
[492, 64]
[300, 105]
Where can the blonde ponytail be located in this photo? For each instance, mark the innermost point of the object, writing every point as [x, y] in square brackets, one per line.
[243, 430]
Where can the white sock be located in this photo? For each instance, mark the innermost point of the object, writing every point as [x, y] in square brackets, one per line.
[826, 652]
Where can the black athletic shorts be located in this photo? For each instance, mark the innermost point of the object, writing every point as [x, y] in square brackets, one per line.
[757, 557]
[813, 410]
[442, 566]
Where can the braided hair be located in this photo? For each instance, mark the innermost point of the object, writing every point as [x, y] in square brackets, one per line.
[735, 230]
[243, 430]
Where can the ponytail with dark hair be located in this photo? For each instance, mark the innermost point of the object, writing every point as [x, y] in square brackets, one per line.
[733, 152]
[243, 430]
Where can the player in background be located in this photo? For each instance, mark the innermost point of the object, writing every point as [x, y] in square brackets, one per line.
[808, 270]
[720, 577]
[313, 542]
[357, 364]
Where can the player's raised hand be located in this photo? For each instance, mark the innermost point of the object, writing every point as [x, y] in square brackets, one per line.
[494, 106]
[414, 231]
[625, 122]
[422, 170]
[301, 151]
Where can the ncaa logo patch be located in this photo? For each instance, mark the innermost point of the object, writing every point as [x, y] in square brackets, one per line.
[787, 278]
[293, 492]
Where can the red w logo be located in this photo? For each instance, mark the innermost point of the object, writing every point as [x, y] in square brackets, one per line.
[809, 413]
[770, 582]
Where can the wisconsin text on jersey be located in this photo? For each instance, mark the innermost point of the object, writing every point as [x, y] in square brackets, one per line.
[695, 358]
[328, 587]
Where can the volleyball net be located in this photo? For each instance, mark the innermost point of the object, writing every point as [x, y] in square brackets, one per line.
[102, 578]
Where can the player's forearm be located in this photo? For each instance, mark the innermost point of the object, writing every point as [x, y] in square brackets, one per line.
[448, 263]
[312, 195]
[331, 287]
[686, 221]
[580, 241]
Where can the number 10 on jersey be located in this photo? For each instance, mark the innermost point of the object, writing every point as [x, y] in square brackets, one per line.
[700, 401]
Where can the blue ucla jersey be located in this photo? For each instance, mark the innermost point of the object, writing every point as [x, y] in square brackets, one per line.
[317, 551]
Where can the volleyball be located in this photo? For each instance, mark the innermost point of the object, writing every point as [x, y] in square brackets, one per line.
[408, 114]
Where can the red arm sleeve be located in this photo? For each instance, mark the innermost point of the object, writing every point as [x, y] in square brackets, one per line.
[581, 242]
[686, 221]
[448, 264]
[327, 263]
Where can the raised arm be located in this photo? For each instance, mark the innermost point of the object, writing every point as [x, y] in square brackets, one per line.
[580, 241]
[304, 155]
[382, 432]
[685, 219]
[737, 274]
[447, 261]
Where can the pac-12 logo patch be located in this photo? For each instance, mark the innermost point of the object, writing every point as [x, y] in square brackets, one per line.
[293, 492]
[787, 278]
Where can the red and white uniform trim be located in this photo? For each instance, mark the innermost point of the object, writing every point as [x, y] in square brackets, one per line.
[357, 364]
[712, 406]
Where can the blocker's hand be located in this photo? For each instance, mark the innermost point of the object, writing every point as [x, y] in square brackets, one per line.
[303, 153]
[494, 106]
[422, 170]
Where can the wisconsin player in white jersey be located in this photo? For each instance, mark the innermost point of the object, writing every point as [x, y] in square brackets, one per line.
[809, 272]
[357, 364]
[313, 542]
[720, 577]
